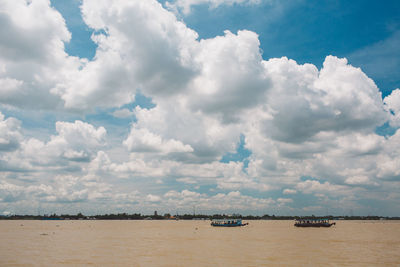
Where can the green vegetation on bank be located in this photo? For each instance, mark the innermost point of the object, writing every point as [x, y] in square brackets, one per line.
[167, 216]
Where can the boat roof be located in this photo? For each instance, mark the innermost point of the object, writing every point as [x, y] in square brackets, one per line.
[222, 220]
[312, 219]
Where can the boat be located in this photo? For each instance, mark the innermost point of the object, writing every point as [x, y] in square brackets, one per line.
[313, 223]
[228, 222]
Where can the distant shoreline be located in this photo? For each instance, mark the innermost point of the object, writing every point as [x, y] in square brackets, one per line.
[138, 216]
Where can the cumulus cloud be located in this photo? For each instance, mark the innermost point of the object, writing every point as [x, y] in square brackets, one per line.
[305, 101]
[50, 24]
[288, 191]
[392, 104]
[10, 192]
[229, 202]
[32, 56]
[232, 75]
[204, 134]
[10, 136]
[153, 198]
[142, 140]
[144, 46]
[284, 201]
[388, 162]
[199, 74]
[313, 186]
[75, 143]
[64, 189]
[357, 180]
[186, 180]
[79, 137]
[233, 178]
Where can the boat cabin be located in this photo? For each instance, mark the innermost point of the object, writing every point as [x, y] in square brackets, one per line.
[228, 222]
[313, 223]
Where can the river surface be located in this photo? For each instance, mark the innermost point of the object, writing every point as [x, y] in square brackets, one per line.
[196, 243]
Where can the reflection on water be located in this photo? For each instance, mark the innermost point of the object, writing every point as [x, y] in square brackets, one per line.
[196, 243]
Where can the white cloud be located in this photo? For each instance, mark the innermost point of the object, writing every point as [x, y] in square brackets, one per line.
[64, 189]
[199, 74]
[205, 135]
[315, 187]
[99, 167]
[304, 102]
[32, 56]
[142, 140]
[186, 180]
[233, 178]
[10, 192]
[284, 201]
[10, 136]
[79, 134]
[185, 5]
[388, 162]
[76, 141]
[392, 104]
[153, 54]
[75, 144]
[359, 144]
[153, 198]
[26, 19]
[232, 76]
[288, 191]
[230, 202]
[356, 180]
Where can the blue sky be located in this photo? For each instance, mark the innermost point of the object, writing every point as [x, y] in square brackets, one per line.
[252, 107]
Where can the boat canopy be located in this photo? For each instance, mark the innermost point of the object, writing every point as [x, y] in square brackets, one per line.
[227, 222]
[312, 220]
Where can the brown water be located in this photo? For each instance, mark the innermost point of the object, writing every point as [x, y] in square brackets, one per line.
[196, 243]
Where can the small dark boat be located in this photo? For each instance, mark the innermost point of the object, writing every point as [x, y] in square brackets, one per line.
[228, 223]
[313, 223]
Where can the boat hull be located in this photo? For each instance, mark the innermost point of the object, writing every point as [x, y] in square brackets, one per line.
[314, 224]
[229, 225]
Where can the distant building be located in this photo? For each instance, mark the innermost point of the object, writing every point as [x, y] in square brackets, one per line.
[155, 213]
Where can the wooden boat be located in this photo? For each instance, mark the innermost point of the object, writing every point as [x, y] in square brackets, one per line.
[228, 223]
[313, 223]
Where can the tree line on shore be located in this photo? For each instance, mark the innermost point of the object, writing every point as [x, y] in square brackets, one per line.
[167, 216]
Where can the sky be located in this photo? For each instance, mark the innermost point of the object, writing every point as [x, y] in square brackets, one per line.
[218, 106]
